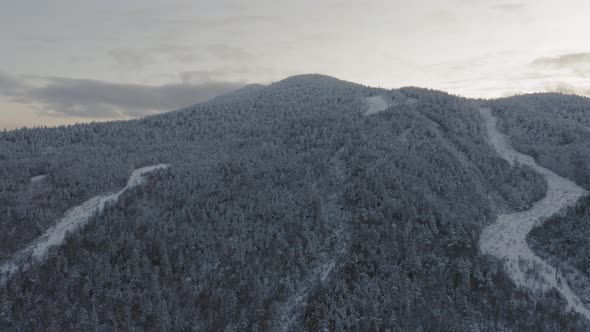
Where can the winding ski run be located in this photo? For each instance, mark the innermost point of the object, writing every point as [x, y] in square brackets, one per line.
[73, 220]
[506, 238]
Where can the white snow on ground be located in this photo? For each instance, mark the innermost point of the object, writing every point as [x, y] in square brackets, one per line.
[381, 103]
[506, 238]
[38, 178]
[73, 220]
[376, 104]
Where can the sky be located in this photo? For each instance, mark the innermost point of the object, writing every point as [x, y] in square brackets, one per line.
[68, 61]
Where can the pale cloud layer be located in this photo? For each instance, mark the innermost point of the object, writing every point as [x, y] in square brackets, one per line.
[66, 59]
[576, 63]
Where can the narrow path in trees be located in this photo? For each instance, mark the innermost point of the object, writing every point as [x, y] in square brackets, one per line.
[506, 238]
[291, 311]
[73, 220]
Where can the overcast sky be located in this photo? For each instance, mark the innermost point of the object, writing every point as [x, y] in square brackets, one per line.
[65, 61]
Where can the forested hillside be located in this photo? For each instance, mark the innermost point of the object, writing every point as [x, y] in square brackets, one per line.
[284, 207]
[567, 237]
[553, 128]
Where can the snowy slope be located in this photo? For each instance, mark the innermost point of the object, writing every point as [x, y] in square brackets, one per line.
[376, 104]
[506, 238]
[380, 103]
[73, 220]
[38, 178]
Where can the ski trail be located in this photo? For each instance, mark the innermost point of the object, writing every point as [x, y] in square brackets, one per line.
[506, 238]
[292, 309]
[73, 220]
[376, 104]
[38, 178]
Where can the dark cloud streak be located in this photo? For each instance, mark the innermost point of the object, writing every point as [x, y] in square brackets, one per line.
[10, 86]
[97, 99]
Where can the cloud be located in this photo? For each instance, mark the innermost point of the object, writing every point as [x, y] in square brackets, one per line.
[442, 17]
[567, 88]
[231, 74]
[510, 8]
[565, 60]
[226, 52]
[578, 63]
[239, 21]
[129, 58]
[10, 86]
[503, 6]
[97, 99]
[139, 58]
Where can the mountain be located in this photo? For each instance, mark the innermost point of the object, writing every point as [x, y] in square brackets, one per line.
[308, 204]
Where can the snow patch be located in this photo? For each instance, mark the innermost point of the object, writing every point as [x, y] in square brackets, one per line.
[506, 238]
[376, 104]
[73, 220]
[38, 178]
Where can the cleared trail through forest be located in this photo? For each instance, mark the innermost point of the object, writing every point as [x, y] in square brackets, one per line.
[506, 238]
[292, 310]
[376, 104]
[73, 220]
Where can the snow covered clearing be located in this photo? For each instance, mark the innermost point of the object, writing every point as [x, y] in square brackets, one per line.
[381, 103]
[506, 238]
[73, 220]
[376, 104]
[38, 178]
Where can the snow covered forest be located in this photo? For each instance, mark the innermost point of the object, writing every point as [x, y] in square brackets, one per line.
[288, 207]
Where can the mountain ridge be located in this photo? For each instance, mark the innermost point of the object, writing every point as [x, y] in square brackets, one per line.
[287, 207]
[312, 80]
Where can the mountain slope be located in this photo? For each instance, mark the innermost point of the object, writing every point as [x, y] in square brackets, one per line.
[506, 239]
[554, 129]
[73, 220]
[279, 199]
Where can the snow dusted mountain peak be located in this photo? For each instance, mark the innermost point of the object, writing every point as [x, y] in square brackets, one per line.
[314, 80]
